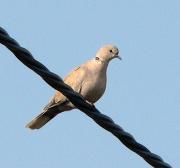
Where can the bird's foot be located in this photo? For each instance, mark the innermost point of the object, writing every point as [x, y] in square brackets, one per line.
[90, 103]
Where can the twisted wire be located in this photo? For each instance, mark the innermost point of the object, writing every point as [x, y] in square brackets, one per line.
[57, 83]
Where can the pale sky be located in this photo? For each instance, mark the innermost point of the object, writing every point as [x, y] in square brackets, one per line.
[143, 90]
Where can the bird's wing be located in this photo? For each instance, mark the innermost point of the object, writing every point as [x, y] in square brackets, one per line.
[74, 80]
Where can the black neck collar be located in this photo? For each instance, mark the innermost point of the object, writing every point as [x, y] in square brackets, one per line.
[99, 59]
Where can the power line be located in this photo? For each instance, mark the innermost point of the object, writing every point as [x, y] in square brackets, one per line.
[57, 83]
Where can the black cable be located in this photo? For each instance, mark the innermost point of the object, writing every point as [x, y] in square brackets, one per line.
[57, 83]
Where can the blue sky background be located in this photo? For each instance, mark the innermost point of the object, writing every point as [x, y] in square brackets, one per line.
[143, 92]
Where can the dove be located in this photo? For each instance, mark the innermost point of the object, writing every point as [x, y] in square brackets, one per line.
[89, 79]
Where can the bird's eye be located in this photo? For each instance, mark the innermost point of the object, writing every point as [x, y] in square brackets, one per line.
[110, 51]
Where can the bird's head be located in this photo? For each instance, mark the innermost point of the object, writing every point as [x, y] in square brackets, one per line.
[107, 53]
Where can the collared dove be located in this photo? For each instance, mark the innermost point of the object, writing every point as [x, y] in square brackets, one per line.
[89, 80]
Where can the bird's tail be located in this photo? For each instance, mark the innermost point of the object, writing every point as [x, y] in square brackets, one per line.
[42, 119]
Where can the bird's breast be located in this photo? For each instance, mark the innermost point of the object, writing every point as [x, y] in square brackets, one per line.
[94, 88]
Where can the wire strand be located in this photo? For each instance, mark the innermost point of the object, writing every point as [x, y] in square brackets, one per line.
[90, 110]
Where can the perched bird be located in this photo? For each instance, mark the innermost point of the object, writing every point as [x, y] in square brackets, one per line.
[89, 80]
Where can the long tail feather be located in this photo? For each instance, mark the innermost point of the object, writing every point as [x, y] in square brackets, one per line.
[42, 119]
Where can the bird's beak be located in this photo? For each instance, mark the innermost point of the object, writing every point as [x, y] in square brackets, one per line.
[117, 56]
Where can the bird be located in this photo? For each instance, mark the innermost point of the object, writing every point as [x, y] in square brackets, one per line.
[89, 79]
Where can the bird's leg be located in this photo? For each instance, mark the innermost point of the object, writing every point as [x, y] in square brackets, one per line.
[90, 103]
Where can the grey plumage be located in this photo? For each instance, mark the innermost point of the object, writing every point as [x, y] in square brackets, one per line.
[89, 80]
